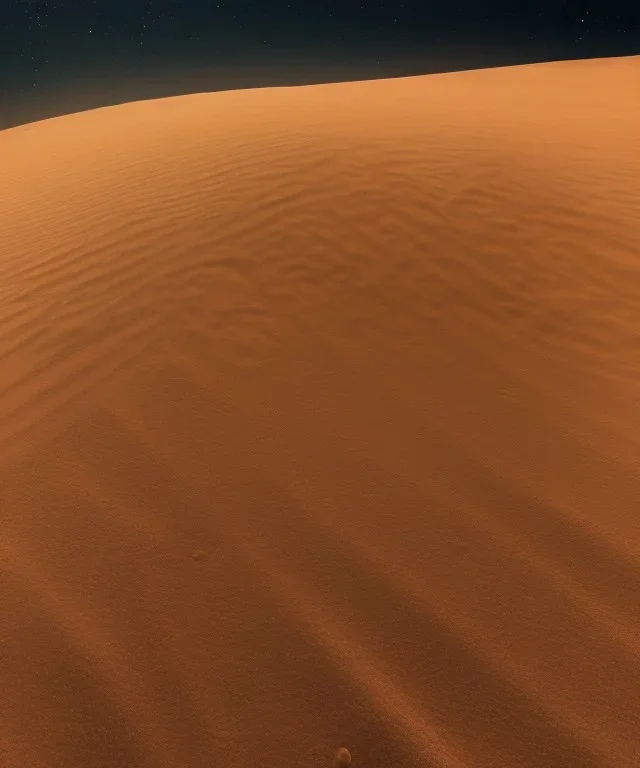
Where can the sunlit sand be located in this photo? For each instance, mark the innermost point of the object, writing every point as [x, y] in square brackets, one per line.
[320, 426]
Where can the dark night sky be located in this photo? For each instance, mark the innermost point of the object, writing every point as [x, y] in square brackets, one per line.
[58, 56]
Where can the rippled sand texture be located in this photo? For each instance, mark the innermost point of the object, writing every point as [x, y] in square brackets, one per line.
[320, 426]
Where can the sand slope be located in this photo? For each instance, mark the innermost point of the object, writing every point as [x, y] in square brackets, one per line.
[320, 425]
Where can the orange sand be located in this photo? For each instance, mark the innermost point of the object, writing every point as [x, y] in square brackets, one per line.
[320, 426]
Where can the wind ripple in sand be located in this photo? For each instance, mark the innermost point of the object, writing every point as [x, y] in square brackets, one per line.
[320, 426]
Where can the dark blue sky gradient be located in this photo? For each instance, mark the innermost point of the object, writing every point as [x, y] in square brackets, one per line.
[65, 55]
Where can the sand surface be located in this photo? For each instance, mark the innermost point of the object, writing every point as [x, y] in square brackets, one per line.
[320, 426]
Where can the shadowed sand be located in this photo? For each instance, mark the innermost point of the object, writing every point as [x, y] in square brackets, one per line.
[320, 426]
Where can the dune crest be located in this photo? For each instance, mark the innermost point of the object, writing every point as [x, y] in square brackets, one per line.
[320, 422]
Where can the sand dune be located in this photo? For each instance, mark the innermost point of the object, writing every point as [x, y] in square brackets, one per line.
[320, 426]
